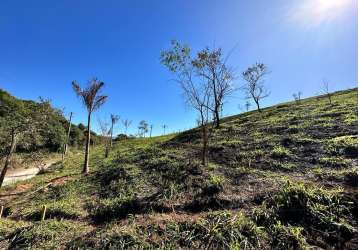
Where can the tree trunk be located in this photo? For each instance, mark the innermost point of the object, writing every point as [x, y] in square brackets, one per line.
[217, 104]
[67, 138]
[217, 116]
[8, 157]
[111, 142]
[87, 152]
[258, 106]
[205, 144]
[106, 149]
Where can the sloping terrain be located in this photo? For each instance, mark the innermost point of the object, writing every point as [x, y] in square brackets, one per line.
[285, 178]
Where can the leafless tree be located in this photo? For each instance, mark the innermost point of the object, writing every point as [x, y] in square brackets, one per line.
[126, 123]
[326, 91]
[114, 120]
[297, 97]
[67, 137]
[212, 66]
[255, 87]
[92, 100]
[105, 132]
[196, 88]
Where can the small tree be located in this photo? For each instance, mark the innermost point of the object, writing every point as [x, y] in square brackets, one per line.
[126, 123]
[105, 132]
[92, 100]
[150, 131]
[212, 66]
[114, 120]
[196, 88]
[326, 91]
[255, 87]
[143, 128]
[297, 97]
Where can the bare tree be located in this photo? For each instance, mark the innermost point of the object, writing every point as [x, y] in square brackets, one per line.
[211, 65]
[196, 89]
[105, 132]
[114, 120]
[255, 87]
[92, 100]
[143, 128]
[326, 91]
[126, 123]
[297, 97]
[67, 137]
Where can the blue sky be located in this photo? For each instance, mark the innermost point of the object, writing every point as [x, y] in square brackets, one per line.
[45, 45]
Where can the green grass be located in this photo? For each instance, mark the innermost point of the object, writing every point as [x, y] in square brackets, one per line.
[282, 179]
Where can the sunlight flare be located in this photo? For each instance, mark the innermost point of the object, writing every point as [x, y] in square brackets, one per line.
[313, 13]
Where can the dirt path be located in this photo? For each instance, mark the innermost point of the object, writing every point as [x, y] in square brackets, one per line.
[16, 175]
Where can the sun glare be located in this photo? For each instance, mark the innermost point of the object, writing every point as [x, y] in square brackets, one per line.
[316, 12]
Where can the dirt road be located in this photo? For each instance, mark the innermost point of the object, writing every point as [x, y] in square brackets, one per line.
[16, 175]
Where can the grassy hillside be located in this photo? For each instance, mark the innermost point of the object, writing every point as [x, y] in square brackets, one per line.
[285, 178]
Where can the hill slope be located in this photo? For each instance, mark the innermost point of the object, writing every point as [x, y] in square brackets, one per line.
[285, 178]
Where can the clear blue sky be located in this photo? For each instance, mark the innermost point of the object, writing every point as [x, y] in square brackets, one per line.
[45, 45]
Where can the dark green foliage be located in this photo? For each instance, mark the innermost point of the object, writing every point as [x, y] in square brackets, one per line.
[41, 125]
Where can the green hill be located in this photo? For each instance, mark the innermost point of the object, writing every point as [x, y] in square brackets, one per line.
[285, 178]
